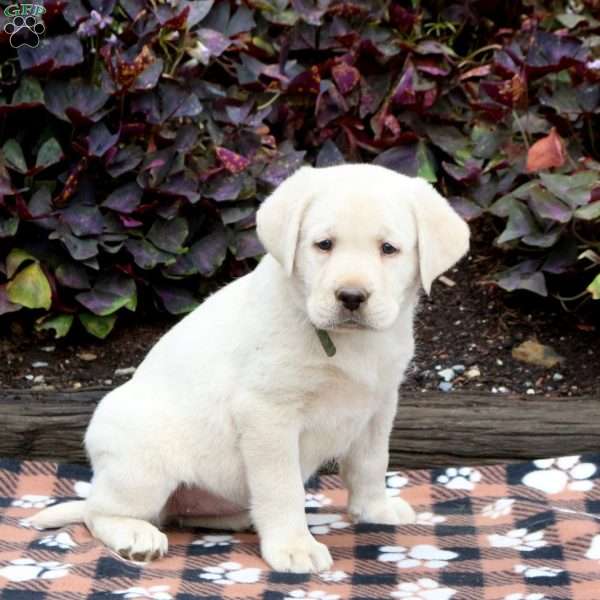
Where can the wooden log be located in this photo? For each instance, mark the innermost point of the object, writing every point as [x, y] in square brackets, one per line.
[431, 429]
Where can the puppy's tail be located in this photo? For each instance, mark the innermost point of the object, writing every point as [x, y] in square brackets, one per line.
[59, 515]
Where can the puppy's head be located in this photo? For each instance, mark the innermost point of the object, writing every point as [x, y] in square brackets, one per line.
[355, 239]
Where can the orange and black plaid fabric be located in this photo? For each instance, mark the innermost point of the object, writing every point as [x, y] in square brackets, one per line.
[518, 532]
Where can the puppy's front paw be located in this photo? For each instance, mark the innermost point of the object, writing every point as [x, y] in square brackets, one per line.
[298, 555]
[391, 511]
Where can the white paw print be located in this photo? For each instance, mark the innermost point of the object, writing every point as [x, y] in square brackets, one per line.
[464, 478]
[60, 540]
[156, 592]
[394, 482]
[519, 596]
[427, 518]
[27, 524]
[423, 589]
[228, 573]
[557, 474]
[333, 576]
[33, 501]
[210, 541]
[82, 488]
[324, 523]
[532, 572]
[421, 555]
[497, 509]
[519, 539]
[594, 552]
[316, 595]
[316, 501]
[24, 569]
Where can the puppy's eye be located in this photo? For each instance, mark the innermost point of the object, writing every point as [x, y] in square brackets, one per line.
[387, 248]
[325, 245]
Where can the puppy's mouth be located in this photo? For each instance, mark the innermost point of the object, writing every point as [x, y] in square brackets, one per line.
[348, 323]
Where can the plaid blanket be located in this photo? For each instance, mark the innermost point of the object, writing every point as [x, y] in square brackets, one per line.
[518, 532]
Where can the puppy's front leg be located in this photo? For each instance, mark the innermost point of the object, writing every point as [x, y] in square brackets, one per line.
[270, 447]
[363, 470]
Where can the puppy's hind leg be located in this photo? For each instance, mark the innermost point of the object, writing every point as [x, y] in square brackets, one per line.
[121, 510]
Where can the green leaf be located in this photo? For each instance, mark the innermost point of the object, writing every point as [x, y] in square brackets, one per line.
[30, 288]
[29, 92]
[14, 156]
[594, 287]
[49, 153]
[8, 227]
[98, 326]
[591, 212]
[426, 163]
[575, 190]
[61, 324]
[16, 257]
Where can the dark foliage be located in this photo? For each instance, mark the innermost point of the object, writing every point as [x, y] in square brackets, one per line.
[139, 137]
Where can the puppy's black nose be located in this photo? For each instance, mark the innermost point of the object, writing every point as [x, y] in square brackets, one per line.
[351, 298]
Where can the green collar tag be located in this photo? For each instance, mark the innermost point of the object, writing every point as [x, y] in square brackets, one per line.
[326, 342]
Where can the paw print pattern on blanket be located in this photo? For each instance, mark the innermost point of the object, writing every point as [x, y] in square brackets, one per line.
[421, 555]
[316, 501]
[500, 508]
[324, 523]
[155, 592]
[33, 501]
[211, 541]
[314, 595]
[25, 569]
[423, 589]
[429, 519]
[531, 572]
[594, 552]
[394, 483]
[229, 573]
[464, 478]
[333, 576]
[61, 540]
[519, 539]
[555, 475]
[519, 596]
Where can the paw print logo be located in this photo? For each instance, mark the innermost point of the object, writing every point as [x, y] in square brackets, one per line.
[423, 589]
[33, 501]
[155, 592]
[228, 573]
[554, 475]
[519, 539]
[421, 555]
[24, 31]
[465, 478]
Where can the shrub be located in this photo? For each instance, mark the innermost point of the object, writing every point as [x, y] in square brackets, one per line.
[139, 137]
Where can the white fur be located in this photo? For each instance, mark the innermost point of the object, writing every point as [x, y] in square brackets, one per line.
[239, 398]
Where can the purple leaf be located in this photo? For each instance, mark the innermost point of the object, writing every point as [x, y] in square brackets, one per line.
[109, 294]
[523, 276]
[234, 163]
[520, 223]
[83, 220]
[169, 235]
[346, 77]
[329, 155]
[147, 255]
[74, 101]
[247, 244]
[125, 160]
[282, 166]
[176, 300]
[209, 253]
[52, 54]
[215, 42]
[124, 199]
[100, 140]
[546, 206]
[72, 275]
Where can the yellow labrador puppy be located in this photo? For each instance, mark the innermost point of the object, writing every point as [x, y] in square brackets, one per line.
[239, 403]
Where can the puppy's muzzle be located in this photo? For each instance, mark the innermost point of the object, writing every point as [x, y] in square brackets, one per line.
[351, 298]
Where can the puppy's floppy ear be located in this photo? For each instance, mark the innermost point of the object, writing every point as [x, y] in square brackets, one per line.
[443, 237]
[279, 217]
